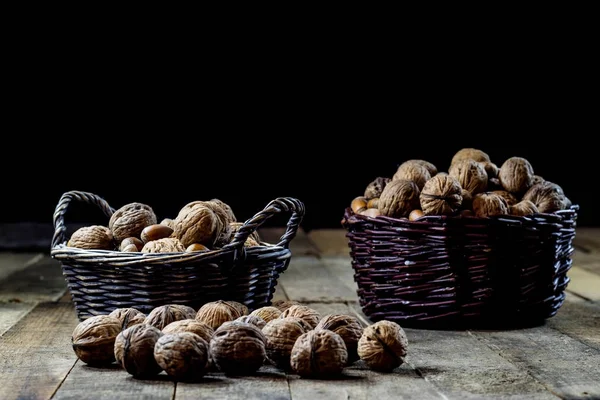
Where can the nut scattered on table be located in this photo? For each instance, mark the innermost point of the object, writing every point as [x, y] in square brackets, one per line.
[215, 313]
[238, 348]
[190, 325]
[280, 335]
[162, 316]
[134, 350]
[383, 346]
[319, 353]
[130, 220]
[267, 313]
[93, 339]
[252, 319]
[349, 329]
[182, 355]
[283, 305]
[128, 316]
[92, 237]
[309, 315]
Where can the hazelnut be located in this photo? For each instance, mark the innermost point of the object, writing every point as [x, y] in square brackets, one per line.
[373, 203]
[130, 248]
[196, 247]
[358, 204]
[131, 241]
[155, 232]
[370, 212]
[415, 215]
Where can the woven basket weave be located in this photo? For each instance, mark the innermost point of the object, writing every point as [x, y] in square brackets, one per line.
[100, 281]
[442, 271]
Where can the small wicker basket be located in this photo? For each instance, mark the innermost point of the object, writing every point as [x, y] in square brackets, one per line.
[100, 281]
[453, 271]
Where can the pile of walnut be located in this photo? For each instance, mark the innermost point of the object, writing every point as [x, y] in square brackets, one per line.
[223, 336]
[473, 186]
[199, 226]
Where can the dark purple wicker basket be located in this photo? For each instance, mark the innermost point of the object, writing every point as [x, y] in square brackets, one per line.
[100, 281]
[457, 271]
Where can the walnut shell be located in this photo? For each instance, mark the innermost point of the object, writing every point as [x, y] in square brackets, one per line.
[441, 195]
[197, 223]
[548, 197]
[235, 227]
[226, 208]
[491, 169]
[489, 204]
[93, 339]
[128, 316]
[267, 313]
[165, 245]
[182, 355]
[383, 346]
[470, 175]
[241, 308]
[348, 327]
[252, 319]
[225, 217]
[280, 335]
[283, 305]
[412, 171]
[92, 237]
[130, 220]
[319, 353]
[215, 313]
[399, 198]
[536, 179]
[432, 169]
[311, 316]
[190, 325]
[516, 175]
[168, 222]
[251, 243]
[523, 208]
[509, 197]
[162, 316]
[238, 348]
[375, 188]
[469, 153]
[134, 350]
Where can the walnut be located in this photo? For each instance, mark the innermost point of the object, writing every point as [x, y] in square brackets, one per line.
[92, 237]
[128, 316]
[168, 222]
[162, 316]
[190, 325]
[182, 355]
[412, 171]
[470, 175]
[134, 350]
[155, 232]
[467, 200]
[311, 316]
[509, 197]
[280, 335]
[470, 153]
[130, 220]
[491, 169]
[165, 245]
[348, 327]
[432, 169]
[226, 208]
[283, 305]
[383, 346]
[235, 227]
[548, 197]
[319, 353]
[399, 198]
[267, 313]
[197, 223]
[131, 241]
[516, 175]
[238, 348]
[373, 203]
[252, 319]
[251, 243]
[536, 179]
[489, 204]
[523, 208]
[375, 188]
[186, 311]
[441, 195]
[358, 204]
[93, 339]
[226, 217]
[241, 308]
[215, 313]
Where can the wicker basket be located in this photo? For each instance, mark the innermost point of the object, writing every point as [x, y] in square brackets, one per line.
[450, 272]
[100, 281]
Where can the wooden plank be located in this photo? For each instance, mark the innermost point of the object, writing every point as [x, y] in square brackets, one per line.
[11, 262]
[566, 366]
[36, 353]
[584, 283]
[462, 367]
[330, 242]
[358, 382]
[587, 238]
[268, 383]
[108, 383]
[11, 313]
[579, 319]
[40, 281]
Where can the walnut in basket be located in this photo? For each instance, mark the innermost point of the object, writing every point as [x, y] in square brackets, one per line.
[548, 197]
[375, 187]
[489, 204]
[412, 171]
[523, 208]
[182, 355]
[319, 353]
[441, 195]
[383, 346]
[130, 220]
[235, 227]
[470, 175]
[93, 339]
[516, 175]
[399, 198]
[225, 217]
[92, 237]
[165, 245]
[197, 223]
[509, 197]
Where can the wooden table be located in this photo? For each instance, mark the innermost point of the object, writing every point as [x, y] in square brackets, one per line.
[560, 359]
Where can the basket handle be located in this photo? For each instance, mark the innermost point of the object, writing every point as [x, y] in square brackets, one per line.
[280, 204]
[60, 230]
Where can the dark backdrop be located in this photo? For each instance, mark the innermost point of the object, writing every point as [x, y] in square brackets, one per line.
[247, 169]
